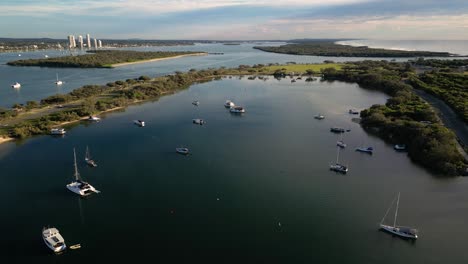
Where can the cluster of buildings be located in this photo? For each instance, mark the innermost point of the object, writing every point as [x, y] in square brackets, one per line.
[89, 44]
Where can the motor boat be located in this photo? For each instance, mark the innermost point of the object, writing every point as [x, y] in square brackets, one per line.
[229, 104]
[58, 131]
[237, 110]
[53, 239]
[16, 85]
[368, 150]
[139, 123]
[337, 130]
[319, 117]
[198, 121]
[400, 147]
[353, 112]
[196, 103]
[183, 151]
[339, 168]
[94, 118]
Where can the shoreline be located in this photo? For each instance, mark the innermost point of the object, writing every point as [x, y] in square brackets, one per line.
[5, 139]
[158, 59]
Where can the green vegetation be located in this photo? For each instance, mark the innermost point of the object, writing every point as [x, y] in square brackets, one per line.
[405, 118]
[99, 59]
[303, 68]
[329, 48]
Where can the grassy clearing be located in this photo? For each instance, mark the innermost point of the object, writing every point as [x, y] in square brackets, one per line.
[302, 68]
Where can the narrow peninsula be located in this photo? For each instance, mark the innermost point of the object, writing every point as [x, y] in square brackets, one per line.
[105, 59]
[330, 49]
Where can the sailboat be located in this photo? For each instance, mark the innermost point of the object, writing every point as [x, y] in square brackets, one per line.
[340, 143]
[401, 231]
[58, 82]
[88, 159]
[337, 166]
[79, 186]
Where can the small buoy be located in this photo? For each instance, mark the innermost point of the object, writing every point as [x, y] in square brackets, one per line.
[77, 246]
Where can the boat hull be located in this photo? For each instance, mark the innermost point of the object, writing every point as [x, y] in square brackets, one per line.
[396, 231]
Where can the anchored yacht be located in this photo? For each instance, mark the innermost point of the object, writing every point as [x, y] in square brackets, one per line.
[79, 186]
[401, 231]
[53, 239]
[229, 104]
[57, 131]
[237, 110]
[16, 85]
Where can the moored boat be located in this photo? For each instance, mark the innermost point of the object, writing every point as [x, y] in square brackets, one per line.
[229, 104]
[139, 123]
[401, 231]
[79, 186]
[16, 85]
[58, 82]
[183, 151]
[353, 112]
[319, 117]
[196, 103]
[88, 159]
[53, 239]
[368, 150]
[93, 118]
[198, 121]
[58, 131]
[400, 147]
[337, 130]
[337, 166]
[237, 110]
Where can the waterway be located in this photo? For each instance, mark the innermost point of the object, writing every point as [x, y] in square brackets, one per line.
[256, 188]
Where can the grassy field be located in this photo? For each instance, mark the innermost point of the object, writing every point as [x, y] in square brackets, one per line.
[302, 68]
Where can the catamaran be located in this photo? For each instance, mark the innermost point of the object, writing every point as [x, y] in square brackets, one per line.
[58, 82]
[340, 143]
[79, 186]
[53, 239]
[88, 159]
[401, 231]
[337, 166]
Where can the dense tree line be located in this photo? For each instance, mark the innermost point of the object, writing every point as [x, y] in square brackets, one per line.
[329, 48]
[405, 118]
[98, 59]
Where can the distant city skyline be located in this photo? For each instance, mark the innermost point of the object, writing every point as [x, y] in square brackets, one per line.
[235, 19]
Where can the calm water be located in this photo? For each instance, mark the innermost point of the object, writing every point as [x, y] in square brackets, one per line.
[38, 83]
[453, 46]
[225, 203]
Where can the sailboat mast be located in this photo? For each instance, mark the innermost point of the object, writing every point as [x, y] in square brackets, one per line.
[57, 76]
[77, 175]
[396, 210]
[337, 154]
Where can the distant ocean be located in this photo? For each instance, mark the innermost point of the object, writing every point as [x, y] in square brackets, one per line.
[459, 47]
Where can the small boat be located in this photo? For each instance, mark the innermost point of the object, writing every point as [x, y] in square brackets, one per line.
[76, 246]
[198, 121]
[337, 166]
[337, 130]
[340, 143]
[237, 110]
[16, 85]
[183, 151]
[293, 80]
[88, 159]
[319, 117]
[58, 82]
[401, 231]
[79, 186]
[139, 123]
[196, 103]
[229, 104]
[400, 147]
[368, 150]
[299, 78]
[58, 131]
[46, 56]
[94, 118]
[53, 239]
[353, 112]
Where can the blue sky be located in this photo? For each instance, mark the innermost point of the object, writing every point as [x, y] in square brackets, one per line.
[236, 19]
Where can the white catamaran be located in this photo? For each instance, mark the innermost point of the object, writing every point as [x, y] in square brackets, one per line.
[401, 231]
[79, 186]
[337, 166]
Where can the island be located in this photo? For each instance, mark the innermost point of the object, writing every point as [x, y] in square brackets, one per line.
[329, 48]
[105, 59]
[405, 119]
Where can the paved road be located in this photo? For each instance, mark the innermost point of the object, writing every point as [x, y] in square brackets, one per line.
[448, 116]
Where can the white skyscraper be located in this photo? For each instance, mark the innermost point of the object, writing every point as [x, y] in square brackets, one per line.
[80, 41]
[100, 43]
[71, 39]
[95, 43]
[88, 40]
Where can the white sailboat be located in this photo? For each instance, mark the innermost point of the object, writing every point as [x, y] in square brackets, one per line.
[88, 159]
[58, 82]
[337, 166]
[79, 186]
[340, 143]
[401, 231]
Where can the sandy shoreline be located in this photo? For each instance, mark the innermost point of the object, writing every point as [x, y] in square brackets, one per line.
[158, 59]
[5, 139]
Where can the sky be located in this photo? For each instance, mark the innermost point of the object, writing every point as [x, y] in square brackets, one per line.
[236, 19]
